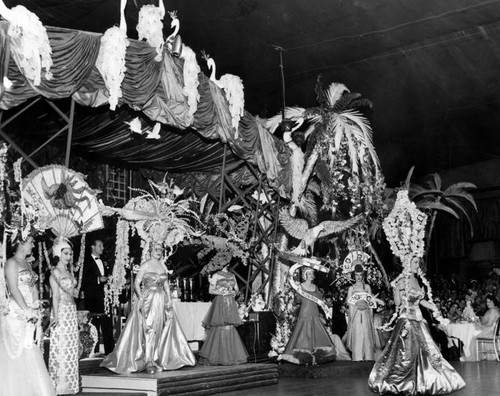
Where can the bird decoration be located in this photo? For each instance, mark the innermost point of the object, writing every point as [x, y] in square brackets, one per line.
[174, 41]
[135, 125]
[155, 133]
[233, 90]
[299, 228]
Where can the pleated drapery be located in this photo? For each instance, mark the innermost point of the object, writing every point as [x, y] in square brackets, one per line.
[154, 89]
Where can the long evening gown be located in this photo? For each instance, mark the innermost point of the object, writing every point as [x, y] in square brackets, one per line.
[411, 363]
[151, 334]
[64, 341]
[361, 336]
[223, 345]
[310, 342]
[22, 369]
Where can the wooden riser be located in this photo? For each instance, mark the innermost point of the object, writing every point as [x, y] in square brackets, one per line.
[217, 384]
[199, 380]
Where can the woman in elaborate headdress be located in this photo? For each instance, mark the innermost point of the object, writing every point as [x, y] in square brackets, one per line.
[64, 338]
[310, 342]
[152, 339]
[22, 369]
[411, 363]
[223, 344]
[361, 338]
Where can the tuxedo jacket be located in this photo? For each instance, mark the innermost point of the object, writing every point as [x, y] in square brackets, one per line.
[92, 288]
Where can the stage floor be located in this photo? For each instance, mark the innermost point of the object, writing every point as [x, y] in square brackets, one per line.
[482, 379]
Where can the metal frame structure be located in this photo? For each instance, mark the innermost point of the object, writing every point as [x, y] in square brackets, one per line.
[67, 118]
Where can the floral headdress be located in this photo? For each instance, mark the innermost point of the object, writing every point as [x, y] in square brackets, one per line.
[405, 230]
[158, 219]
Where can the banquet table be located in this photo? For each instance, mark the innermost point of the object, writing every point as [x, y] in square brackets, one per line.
[466, 332]
[190, 315]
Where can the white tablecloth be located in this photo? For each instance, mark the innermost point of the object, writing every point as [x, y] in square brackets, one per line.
[465, 332]
[190, 316]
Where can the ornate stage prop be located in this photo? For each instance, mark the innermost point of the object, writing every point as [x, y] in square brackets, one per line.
[199, 380]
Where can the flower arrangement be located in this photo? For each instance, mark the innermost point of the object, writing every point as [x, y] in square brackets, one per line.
[285, 306]
[227, 237]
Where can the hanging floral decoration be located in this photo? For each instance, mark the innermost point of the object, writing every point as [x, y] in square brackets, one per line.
[228, 238]
[150, 27]
[161, 218]
[29, 42]
[285, 307]
[111, 58]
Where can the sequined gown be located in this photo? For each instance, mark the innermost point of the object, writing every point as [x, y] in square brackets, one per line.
[22, 369]
[64, 341]
[151, 334]
[223, 345]
[310, 343]
[411, 363]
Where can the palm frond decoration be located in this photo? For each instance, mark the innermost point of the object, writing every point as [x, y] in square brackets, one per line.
[454, 200]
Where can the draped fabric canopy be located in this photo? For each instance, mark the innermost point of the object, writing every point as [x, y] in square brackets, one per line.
[153, 90]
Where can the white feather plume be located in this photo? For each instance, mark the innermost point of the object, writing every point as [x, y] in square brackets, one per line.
[150, 27]
[334, 92]
[233, 88]
[190, 71]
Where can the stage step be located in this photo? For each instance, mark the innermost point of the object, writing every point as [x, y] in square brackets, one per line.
[199, 380]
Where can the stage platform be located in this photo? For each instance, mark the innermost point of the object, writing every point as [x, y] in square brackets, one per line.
[199, 380]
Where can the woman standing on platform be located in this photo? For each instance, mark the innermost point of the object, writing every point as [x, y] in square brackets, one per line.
[22, 369]
[223, 345]
[361, 335]
[411, 363]
[152, 340]
[310, 342]
[64, 336]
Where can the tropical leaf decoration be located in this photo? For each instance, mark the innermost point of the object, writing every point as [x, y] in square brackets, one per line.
[339, 150]
[455, 200]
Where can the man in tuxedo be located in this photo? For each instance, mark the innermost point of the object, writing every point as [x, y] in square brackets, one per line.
[95, 276]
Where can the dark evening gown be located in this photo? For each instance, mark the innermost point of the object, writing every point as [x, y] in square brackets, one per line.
[223, 345]
[151, 334]
[309, 343]
[411, 363]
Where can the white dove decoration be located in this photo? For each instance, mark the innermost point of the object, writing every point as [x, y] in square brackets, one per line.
[155, 133]
[135, 125]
